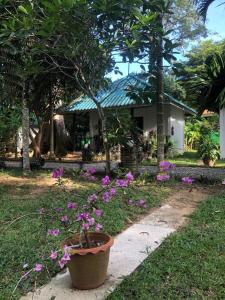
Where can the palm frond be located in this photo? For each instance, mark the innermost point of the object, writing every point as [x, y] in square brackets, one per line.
[202, 7]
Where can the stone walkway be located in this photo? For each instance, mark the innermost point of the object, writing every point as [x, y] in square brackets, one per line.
[130, 249]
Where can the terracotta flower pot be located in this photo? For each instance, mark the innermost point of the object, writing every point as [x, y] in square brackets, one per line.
[88, 267]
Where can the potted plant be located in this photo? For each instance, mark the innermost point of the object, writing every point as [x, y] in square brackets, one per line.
[208, 151]
[86, 250]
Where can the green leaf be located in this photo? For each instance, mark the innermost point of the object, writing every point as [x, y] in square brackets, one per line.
[22, 9]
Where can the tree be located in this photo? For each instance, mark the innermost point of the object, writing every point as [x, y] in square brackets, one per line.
[51, 39]
[153, 35]
[211, 83]
[194, 67]
[203, 6]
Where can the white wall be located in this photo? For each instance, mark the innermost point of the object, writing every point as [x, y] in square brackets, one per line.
[174, 116]
[150, 118]
[177, 121]
[222, 133]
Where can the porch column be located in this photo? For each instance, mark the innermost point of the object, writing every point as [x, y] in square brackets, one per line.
[222, 133]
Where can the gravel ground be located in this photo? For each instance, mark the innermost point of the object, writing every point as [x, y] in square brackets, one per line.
[194, 172]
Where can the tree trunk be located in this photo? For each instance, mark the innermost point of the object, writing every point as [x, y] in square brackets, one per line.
[36, 140]
[159, 98]
[104, 131]
[106, 145]
[52, 152]
[62, 137]
[25, 130]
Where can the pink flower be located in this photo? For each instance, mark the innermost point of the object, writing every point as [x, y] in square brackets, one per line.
[187, 180]
[142, 203]
[83, 216]
[223, 182]
[121, 183]
[71, 205]
[64, 219]
[92, 198]
[38, 267]
[53, 232]
[91, 170]
[64, 260]
[53, 255]
[106, 197]
[129, 176]
[130, 202]
[57, 173]
[166, 166]
[112, 192]
[98, 227]
[98, 212]
[91, 221]
[163, 177]
[105, 180]
[85, 226]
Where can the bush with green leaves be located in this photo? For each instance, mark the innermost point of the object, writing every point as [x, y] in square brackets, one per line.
[10, 121]
[208, 146]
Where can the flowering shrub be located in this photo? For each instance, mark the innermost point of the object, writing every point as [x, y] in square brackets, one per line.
[82, 218]
[187, 180]
[165, 166]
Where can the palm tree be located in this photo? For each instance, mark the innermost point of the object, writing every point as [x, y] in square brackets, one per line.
[211, 83]
[203, 6]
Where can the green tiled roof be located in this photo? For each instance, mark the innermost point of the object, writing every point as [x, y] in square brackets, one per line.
[116, 96]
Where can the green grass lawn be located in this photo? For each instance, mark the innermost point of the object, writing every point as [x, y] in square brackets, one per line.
[25, 241]
[189, 158]
[190, 264]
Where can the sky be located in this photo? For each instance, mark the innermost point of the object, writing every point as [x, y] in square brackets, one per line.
[215, 24]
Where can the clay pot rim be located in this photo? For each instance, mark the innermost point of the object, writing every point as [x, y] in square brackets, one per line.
[94, 250]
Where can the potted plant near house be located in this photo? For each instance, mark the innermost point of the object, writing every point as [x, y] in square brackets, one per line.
[86, 250]
[208, 151]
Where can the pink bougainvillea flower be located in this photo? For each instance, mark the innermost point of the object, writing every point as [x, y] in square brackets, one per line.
[130, 202]
[142, 203]
[106, 197]
[112, 192]
[91, 170]
[38, 267]
[187, 180]
[98, 212]
[163, 177]
[98, 227]
[64, 259]
[166, 166]
[105, 180]
[53, 255]
[83, 216]
[57, 173]
[121, 183]
[129, 176]
[53, 232]
[64, 219]
[91, 221]
[71, 205]
[85, 226]
[92, 198]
